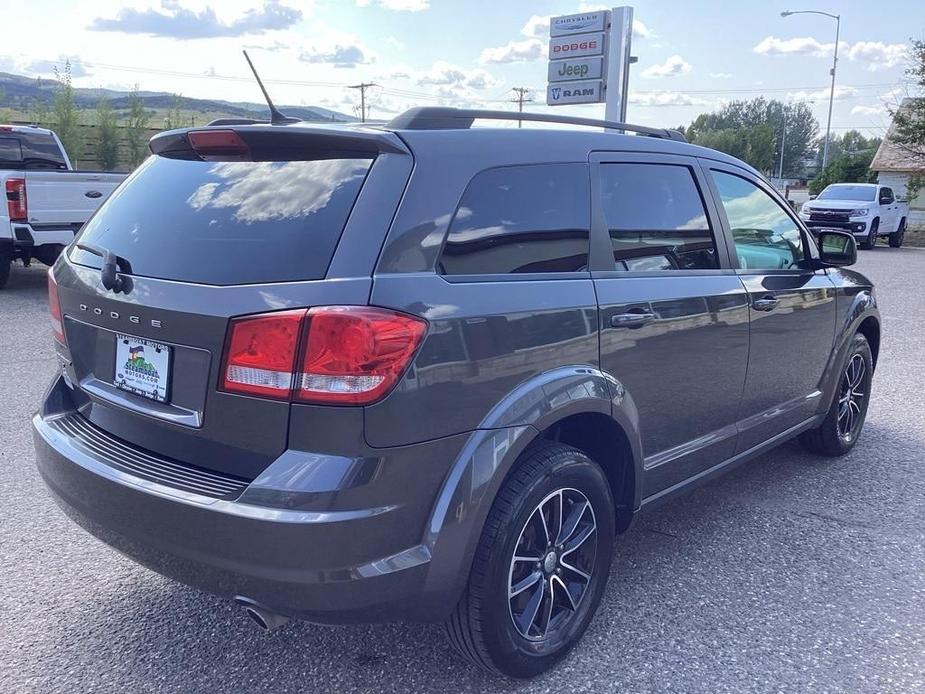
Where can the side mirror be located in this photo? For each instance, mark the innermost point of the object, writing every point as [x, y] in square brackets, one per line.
[813, 197]
[836, 248]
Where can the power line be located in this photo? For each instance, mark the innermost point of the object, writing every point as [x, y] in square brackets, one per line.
[363, 86]
[522, 95]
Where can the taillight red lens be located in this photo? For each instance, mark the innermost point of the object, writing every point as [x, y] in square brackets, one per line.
[355, 354]
[54, 308]
[218, 143]
[16, 203]
[260, 354]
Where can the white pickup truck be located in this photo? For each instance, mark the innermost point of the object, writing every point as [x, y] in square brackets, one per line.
[866, 210]
[46, 200]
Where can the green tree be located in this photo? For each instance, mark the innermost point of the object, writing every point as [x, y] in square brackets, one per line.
[65, 115]
[852, 142]
[754, 130]
[107, 144]
[848, 168]
[135, 129]
[909, 118]
[174, 117]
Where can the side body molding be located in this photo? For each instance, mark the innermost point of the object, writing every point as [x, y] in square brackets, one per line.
[463, 503]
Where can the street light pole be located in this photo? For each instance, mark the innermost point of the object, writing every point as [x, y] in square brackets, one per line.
[828, 125]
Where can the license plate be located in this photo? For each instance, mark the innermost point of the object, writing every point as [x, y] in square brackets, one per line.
[142, 367]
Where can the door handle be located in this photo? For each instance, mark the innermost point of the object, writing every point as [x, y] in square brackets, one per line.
[631, 320]
[766, 303]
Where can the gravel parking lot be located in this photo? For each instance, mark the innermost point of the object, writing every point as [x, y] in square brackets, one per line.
[791, 574]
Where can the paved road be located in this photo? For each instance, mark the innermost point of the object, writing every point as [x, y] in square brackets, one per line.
[791, 574]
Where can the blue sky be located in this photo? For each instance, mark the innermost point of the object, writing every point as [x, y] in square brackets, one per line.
[693, 57]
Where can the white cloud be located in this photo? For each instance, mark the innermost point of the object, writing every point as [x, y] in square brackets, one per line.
[395, 43]
[803, 45]
[721, 75]
[877, 54]
[841, 92]
[860, 110]
[641, 31]
[444, 74]
[397, 5]
[664, 98]
[515, 52]
[674, 65]
[338, 50]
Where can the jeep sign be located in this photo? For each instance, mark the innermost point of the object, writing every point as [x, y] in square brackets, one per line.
[577, 69]
[576, 46]
[583, 92]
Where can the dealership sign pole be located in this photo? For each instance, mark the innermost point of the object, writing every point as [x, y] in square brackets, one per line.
[589, 59]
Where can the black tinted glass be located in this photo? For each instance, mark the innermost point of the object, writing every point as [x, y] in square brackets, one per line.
[228, 222]
[656, 218]
[10, 151]
[521, 219]
[41, 151]
[843, 192]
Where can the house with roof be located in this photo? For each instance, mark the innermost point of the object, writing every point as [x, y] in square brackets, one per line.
[895, 165]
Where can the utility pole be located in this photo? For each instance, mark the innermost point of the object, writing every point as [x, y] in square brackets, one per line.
[522, 95]
[783, 142]
[363, 86]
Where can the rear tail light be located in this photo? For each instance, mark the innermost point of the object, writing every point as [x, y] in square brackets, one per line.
[260, 354]
[349, 355]
[355, 354]
[54, 308]
[16, 203]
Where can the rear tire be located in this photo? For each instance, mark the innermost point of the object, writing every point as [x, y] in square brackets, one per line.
[842, 425]
[868, 243]
[896, 238]
[518, 617]
[6, 264]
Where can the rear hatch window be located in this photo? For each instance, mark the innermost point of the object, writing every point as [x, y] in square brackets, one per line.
[228, 222]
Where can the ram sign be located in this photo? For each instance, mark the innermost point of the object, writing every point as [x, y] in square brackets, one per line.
[583, 92]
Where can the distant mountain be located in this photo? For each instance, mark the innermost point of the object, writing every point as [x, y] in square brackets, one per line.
[24, 94]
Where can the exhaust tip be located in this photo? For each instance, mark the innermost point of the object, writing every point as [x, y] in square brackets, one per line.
[260, 615]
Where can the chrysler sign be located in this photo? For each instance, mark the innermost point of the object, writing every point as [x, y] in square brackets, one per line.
[578, 23]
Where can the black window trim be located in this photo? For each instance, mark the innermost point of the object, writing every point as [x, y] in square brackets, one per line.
[513, 276]
[602, 262]
[809, 244]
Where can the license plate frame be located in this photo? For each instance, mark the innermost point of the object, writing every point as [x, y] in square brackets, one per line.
[143, 367]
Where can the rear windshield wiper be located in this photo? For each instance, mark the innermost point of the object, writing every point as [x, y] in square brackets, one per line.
[112, 265]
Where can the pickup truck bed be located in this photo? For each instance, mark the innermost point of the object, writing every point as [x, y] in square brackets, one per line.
[46, 200]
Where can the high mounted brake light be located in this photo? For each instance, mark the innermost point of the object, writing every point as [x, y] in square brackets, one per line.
[218, 143]
[350, 355]
[17, 204]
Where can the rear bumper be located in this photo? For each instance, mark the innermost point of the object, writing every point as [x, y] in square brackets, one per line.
[325, 564]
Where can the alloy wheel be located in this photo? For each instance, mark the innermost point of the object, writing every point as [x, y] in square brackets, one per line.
[851, 398]
[552, 565]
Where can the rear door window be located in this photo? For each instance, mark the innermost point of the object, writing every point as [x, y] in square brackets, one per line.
[10, 151]
[656, 218]
[228, 222]
[521, 219]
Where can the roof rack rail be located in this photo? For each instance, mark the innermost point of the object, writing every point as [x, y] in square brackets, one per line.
[236, 121]
[445, 118]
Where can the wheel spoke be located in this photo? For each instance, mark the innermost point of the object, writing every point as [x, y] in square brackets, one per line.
[575, 570]
[532, 560]
[525, 583]
[571, 523]
[545, 526]
[579, 539]
[528, 616]
[550, 602]
[556, 517]
[564, 589]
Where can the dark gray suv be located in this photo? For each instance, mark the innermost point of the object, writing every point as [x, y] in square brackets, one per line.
[425, 371]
